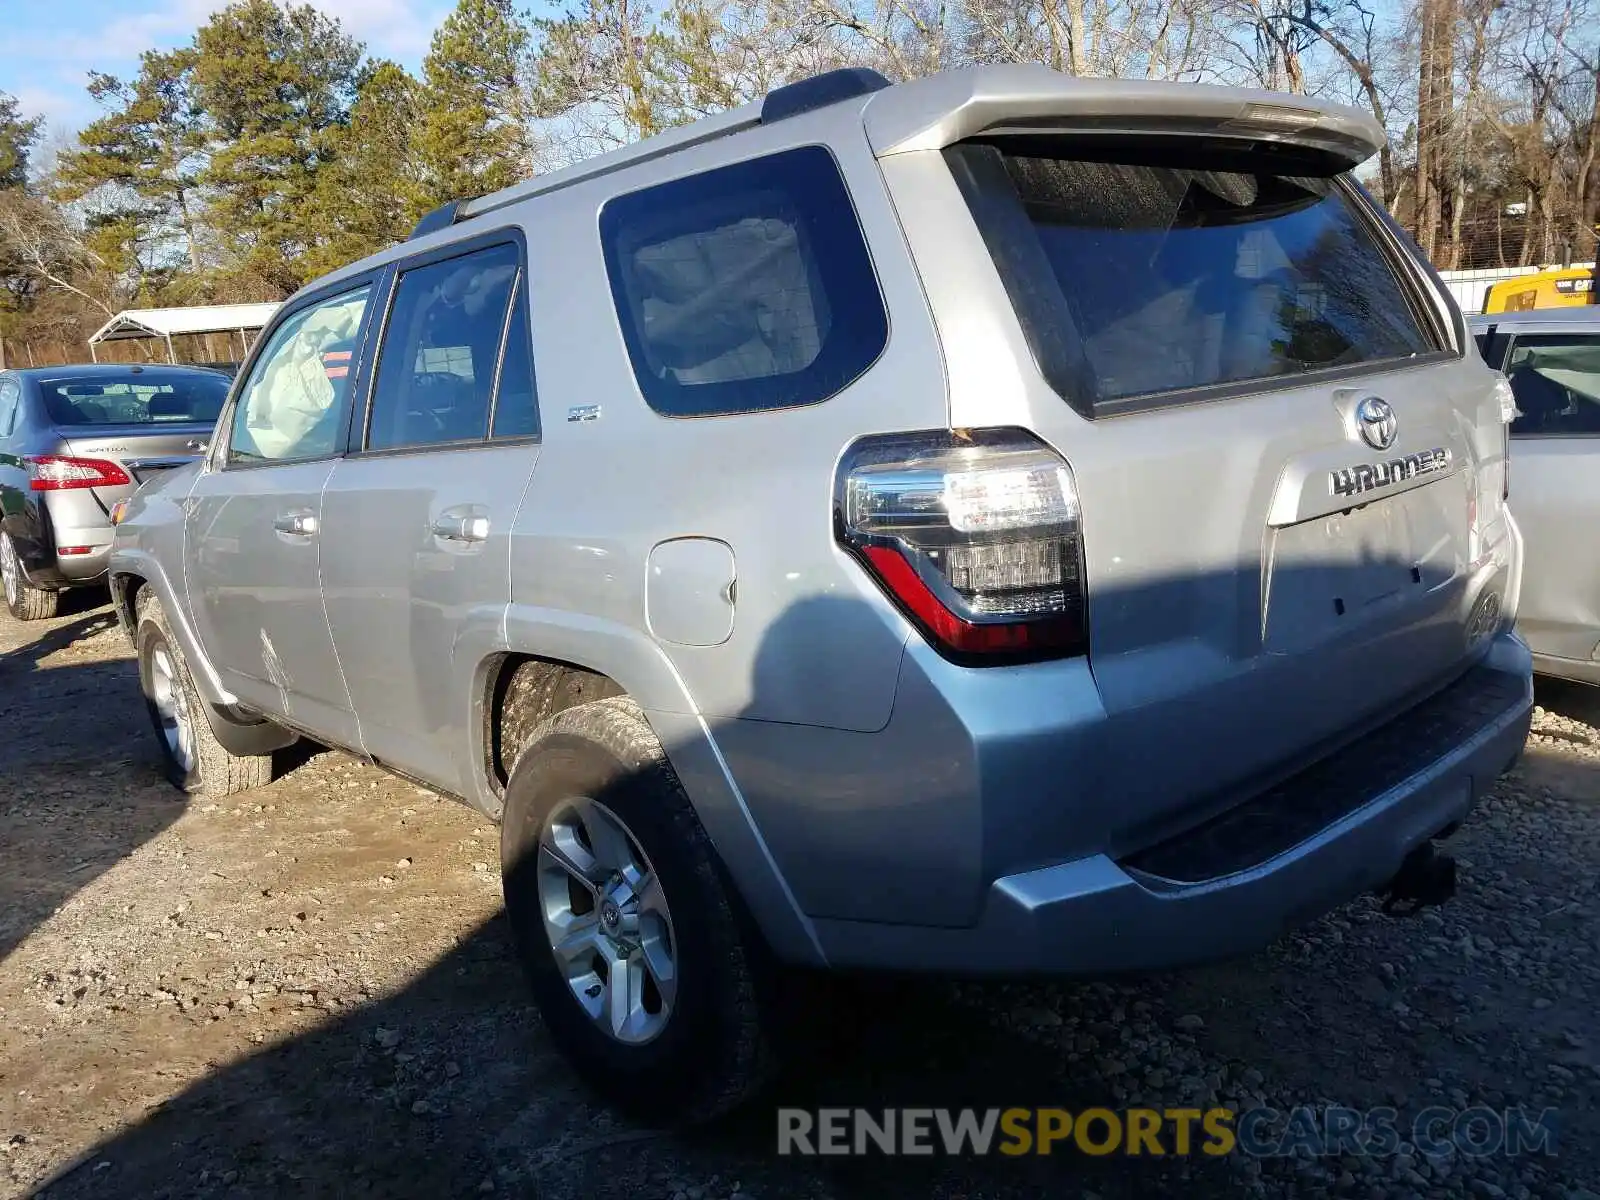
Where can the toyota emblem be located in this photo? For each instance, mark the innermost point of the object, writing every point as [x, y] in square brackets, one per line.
[1375, 418]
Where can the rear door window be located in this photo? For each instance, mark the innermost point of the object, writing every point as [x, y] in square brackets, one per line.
[1138, 280]
[516, 403]
[10, 402]
[441, 350]
[1491, 343]
[1556, 378]
[744, 288]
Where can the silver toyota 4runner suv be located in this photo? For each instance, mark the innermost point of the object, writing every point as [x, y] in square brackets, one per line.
[998, 523]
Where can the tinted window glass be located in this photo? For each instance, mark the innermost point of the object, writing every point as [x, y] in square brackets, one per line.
[1140, 278]
[1556, 378]
[516, 406]
[147, 400]
[442, 343]
[10, 401]
[1492, 345]
[747, 287]
[293, 402]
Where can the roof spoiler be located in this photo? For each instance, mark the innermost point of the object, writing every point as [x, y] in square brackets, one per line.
[939, 110]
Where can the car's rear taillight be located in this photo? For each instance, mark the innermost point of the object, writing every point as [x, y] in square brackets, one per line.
[976, 535]
[57, 472]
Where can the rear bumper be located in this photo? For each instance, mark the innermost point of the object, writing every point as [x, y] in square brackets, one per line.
[76, 570]
[46, 567]
[66, 520]
[1339, 829]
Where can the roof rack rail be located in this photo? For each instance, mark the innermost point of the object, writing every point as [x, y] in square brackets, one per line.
[830, 87]
[790, 100]
[440, 218]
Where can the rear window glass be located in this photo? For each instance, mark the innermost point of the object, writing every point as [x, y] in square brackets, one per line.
[1137, 279]
[744, 288]
[197, 399]
[1556, 378]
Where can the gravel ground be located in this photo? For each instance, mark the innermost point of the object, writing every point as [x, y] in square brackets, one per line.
[309, 990]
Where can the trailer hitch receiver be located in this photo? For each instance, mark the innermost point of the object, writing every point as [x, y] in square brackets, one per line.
[1426, 877]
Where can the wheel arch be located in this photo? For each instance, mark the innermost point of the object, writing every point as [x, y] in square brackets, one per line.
[136, 573]
[582, 656]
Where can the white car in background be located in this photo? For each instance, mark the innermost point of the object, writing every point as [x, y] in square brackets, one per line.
[1552, 358]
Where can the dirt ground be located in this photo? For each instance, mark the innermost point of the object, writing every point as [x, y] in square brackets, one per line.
[309, 990]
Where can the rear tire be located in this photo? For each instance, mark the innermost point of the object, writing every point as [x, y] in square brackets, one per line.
[191, 756]
[24, 601]
[594, 785]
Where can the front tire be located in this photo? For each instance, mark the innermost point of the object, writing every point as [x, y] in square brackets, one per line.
[635, 948]
[24, 601]
[192, 758]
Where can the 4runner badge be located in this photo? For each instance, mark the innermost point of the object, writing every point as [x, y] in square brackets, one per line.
[1352, 481]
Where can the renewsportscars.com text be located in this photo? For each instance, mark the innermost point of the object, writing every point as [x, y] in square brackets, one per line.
[1154, 1132]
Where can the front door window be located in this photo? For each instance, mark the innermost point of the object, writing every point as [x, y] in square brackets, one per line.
[292, 406]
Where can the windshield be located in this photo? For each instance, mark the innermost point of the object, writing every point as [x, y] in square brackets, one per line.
[1556, 378]
[1164, 275]
[139, 400]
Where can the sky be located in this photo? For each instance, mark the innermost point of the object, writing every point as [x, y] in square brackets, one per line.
[49, 46]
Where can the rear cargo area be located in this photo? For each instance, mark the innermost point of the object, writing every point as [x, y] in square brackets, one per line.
[1198, 320]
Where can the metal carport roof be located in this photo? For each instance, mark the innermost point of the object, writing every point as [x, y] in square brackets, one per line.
[169, 322]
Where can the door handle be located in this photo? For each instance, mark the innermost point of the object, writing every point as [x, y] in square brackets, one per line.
[461, 528]
[301, 524]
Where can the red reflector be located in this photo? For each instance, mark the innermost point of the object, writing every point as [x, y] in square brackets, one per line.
[59, 472]
[74, 549]
[965, 636]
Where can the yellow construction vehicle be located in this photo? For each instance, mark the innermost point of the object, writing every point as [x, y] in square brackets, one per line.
[1559, 287]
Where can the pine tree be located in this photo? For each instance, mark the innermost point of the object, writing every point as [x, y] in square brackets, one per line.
[596, 70]
[18, 283]
[373, 191]
[475, 133]
[275, 84]
[145, 157]
[18, 134]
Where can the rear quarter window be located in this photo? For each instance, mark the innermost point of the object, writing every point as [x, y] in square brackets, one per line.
[1139, 280]
[744, 288]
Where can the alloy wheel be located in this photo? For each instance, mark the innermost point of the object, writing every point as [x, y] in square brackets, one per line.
[9, 569]
[607, 920]
[171, 706]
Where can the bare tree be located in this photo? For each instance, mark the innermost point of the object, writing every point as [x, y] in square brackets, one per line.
[39, 242]
[1151, 39]
[1350, 30]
